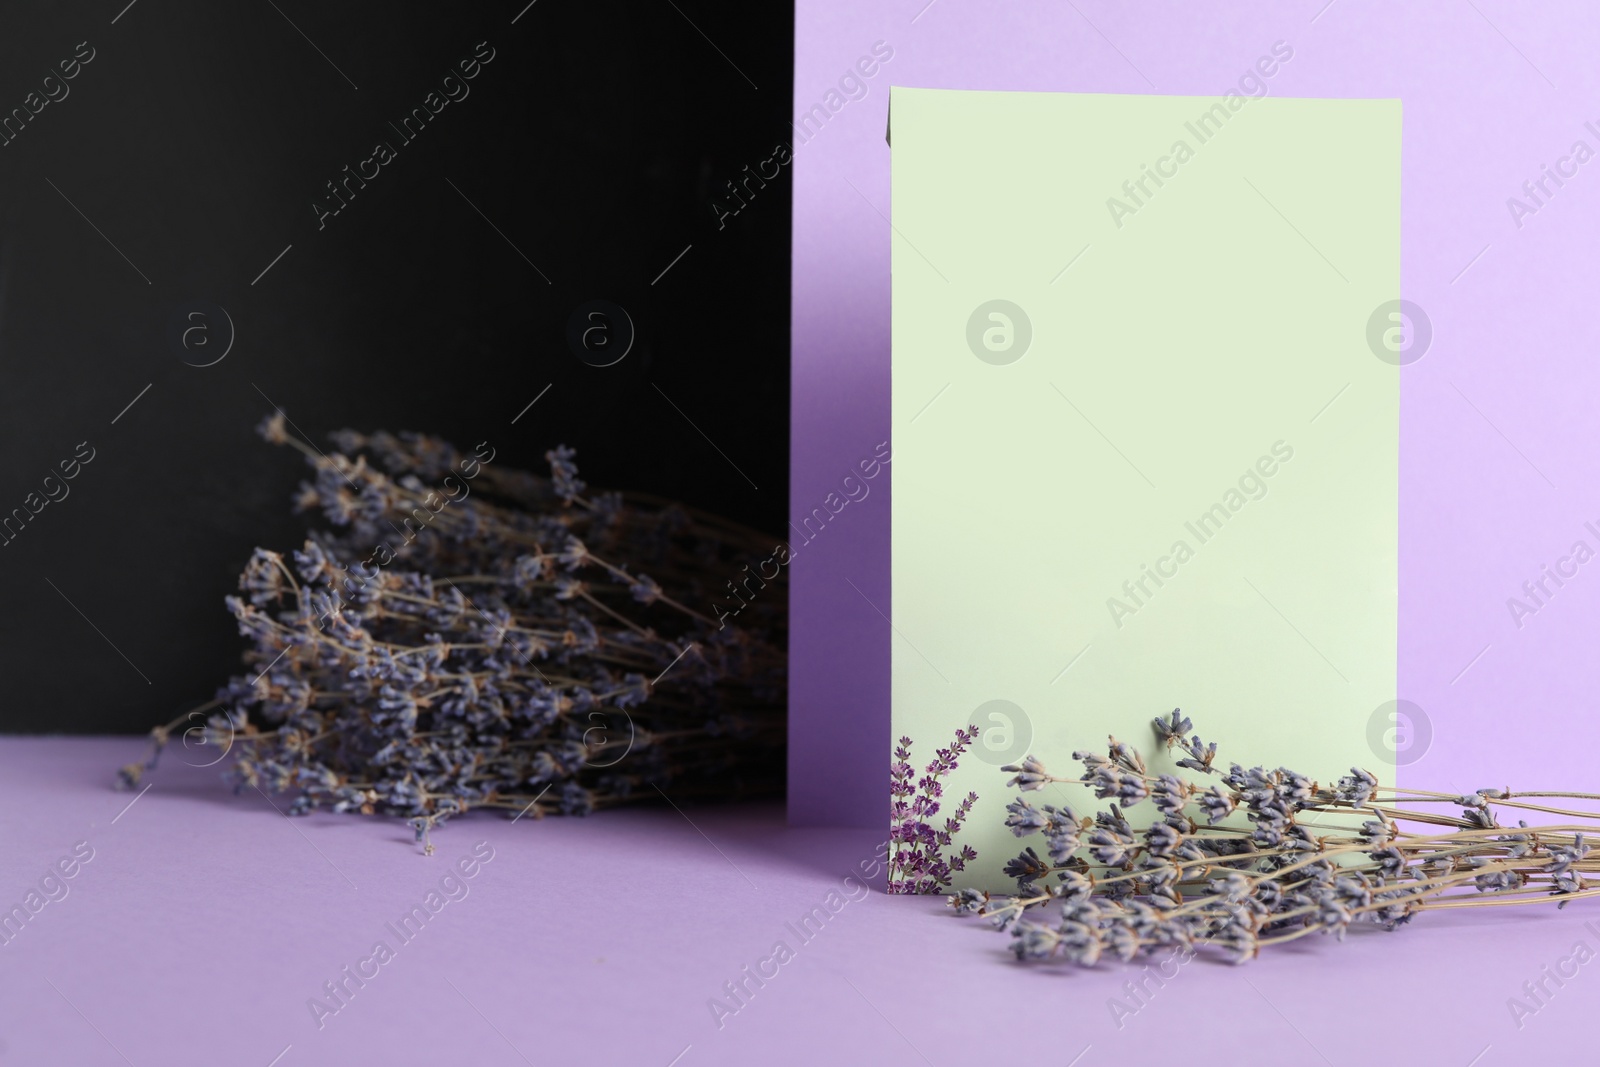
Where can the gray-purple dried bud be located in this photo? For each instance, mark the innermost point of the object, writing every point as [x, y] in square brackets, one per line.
[1233, 887]
[1357, 788]
[1030, 774]
[1169, 794]
[1172, 728]
[1162, 839]
[1024, 819]
[1034, 941]
[1080, 944]
[968, 901]
[1216, 804]
[1126, 756]
[1026, 868]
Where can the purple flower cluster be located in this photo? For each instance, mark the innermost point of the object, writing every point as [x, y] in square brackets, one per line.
[918, 862]
[1243, 864]
[463, 637]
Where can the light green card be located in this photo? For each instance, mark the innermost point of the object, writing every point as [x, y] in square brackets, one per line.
[1146, 432]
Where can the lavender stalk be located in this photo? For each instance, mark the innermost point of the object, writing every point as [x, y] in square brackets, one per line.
[466, 636]
[1304, 858]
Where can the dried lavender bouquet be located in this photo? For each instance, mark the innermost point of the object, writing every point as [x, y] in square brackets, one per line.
[1305, 858]
[467, 636]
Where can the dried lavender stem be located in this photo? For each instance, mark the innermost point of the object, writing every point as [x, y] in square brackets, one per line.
[1184, 884]
[381, 689]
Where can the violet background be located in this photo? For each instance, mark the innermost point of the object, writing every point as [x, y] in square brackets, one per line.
[205, 920]
[1498, 440]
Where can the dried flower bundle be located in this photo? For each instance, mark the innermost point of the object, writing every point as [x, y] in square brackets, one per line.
[917, 860]
[467, 636]
[1305, 858]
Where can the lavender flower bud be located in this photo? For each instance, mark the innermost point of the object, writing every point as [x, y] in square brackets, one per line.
[1357, 788]
[968, 901]
[1108, 848]
[1170, 794]
[1216, 804]
[1233, 887]
[1162, 839]
[1030, 774]
[1080, 944]
[1127, 756]
[1200, 755]
[1026, 868]
[1238, 942]
[1003, 916]
[1024, 818]
[1033, 941]
[1073, 886]
[1172, 728]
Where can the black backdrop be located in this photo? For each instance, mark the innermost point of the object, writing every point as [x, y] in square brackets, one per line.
[187, 154]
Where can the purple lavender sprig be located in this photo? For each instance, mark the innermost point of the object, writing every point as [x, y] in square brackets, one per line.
[918, 861]
[1265, 857]
[462, 635]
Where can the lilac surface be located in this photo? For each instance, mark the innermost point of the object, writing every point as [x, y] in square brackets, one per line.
[1498, 439]
[205, 921]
